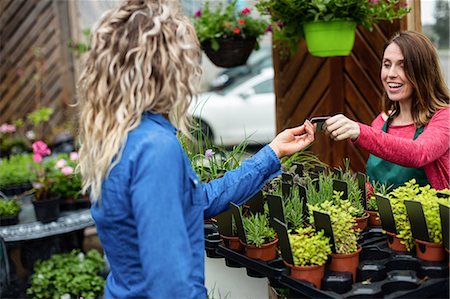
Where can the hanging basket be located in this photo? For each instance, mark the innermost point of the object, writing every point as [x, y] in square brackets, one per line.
[333, 38]
[231, 52]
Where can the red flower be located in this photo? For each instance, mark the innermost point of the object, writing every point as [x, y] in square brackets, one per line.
[245, 11]
[241, 22]
[198, 13]
[369, 190]
[237, 30]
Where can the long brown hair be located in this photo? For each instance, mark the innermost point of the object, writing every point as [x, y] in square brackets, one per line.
[145, 57]
[422, 69]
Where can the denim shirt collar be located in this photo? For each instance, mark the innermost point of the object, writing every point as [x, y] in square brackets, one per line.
[157, 117]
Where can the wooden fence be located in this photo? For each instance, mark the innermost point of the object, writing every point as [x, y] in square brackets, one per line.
[36, 67]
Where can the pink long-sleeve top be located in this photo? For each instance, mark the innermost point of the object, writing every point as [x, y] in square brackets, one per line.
[430, 150]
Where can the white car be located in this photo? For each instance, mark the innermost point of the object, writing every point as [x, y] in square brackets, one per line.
[244, 109]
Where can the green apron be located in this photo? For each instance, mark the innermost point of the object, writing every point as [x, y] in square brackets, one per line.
[389, 173]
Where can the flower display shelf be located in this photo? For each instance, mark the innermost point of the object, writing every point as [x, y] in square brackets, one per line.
[381, 273]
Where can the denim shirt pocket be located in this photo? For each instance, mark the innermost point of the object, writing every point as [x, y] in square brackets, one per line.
[196, 190]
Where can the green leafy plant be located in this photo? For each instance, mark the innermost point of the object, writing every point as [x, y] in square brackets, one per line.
[65, 181]
[222, 22]
[73, 274]
[16, 170]
[342, 222]
[258, 230]
[325, 193]
[354, 193]
[10, 207]
[376, 188]
[309, 247]
[288, 16]
[293, 210]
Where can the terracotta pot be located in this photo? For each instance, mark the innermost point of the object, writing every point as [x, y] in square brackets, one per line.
[232, 242]
[361, 222]
[312, 274]
[374, 218]
[345, 262]
[266, 252]
[428, 251]
[394, 243]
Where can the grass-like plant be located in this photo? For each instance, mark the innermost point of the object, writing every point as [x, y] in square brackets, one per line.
[258, 230]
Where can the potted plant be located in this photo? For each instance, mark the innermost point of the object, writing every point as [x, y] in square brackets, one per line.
[68, 275]
[372, 208]
[346, 256]
[328, 26]
[261, 238]
[9, 211]
[432, 248]
[45, 200]
[310, 250]
[16, 174]
[226, 35]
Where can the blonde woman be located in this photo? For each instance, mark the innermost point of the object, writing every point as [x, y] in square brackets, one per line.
[148, 203]
[411, 137]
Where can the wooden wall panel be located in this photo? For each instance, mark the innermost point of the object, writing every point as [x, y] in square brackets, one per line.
[309, 86]
[36, 66]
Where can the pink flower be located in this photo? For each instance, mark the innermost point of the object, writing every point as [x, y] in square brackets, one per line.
[7, 128]
[269, 28]
[37, 158]
[67, 170]
[198, 13]
[73, 156]
[60, 163]
[209, 153]
[41, 148]
[245, 11]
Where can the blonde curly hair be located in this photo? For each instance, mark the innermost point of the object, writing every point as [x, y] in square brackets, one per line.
[145, 56]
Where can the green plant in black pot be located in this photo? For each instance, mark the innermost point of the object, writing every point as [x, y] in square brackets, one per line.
[9, 211]
[16, 174]
[73, 275]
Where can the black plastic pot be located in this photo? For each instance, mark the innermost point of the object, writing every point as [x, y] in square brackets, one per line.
[231, 52]
[47, 210]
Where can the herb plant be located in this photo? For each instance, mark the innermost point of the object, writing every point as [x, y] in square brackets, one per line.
[258, 230]
[309, 247]
[16, 170]
[10, 207]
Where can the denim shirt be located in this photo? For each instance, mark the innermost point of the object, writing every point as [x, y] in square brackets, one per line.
[150, 216]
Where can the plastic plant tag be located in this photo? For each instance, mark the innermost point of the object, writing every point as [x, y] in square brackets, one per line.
[287, 178]
[302, 196]
[341, 186]
[322, 221]
[444, 212]
[224, 222]
[236, 211]
[337, 173]
[361, 177]
[256, 203]
[386, 216]
[286, 189]
[283, 240]
[319, 169]
[275, 208]
[319, 120]
[417, 220]
[300, 168]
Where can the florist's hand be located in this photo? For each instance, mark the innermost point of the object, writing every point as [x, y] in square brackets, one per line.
[293, 140]
[339, 127]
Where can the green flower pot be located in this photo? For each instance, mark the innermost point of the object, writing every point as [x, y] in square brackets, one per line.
[334, 38]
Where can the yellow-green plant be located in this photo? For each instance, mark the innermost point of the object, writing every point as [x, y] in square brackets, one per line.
[309, 247]
[345, 237]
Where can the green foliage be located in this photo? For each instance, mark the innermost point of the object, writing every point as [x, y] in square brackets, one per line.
[427, 196]
[325, 193]
[40, 115]
[226, 23]
[75, 274]
[67, 185]
[16, 170]
[293, 210]
[354, 193]
[258, 230]
[342, 222]
[380, 189]
[208, 160]
[81, 47]
[288, 16]
[10, 207]
[305, 157]
[309, 247]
